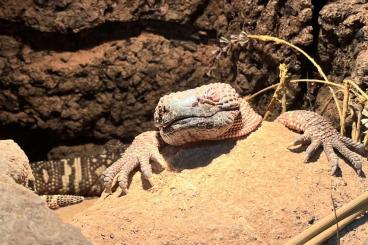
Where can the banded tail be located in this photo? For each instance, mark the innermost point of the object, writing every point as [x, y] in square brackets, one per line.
[58, 201]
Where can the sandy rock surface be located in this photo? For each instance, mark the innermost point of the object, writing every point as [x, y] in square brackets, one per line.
[253, 191]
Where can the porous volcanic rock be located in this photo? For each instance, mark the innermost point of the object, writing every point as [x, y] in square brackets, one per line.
[257, 64]
[108, 90]
[343, 40]
[95, 70]
[67, 15]
[342, 47]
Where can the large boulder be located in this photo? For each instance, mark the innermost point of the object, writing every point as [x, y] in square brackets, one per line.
[24, 217]
[253, 191]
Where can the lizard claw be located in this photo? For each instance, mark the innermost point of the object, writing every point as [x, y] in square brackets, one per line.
[299, 140]
[319, 131]
[330, 144]
[143, 149]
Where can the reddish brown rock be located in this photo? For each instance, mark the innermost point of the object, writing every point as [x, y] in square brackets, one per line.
[343, 47]
[108, 90]
[67, 15]
[95, 70]
[343, 40]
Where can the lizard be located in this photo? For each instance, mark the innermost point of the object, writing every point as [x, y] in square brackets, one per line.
[216, 112]
[209, 112]
[67, 181]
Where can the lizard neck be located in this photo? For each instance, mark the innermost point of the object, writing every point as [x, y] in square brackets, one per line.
[246, 122]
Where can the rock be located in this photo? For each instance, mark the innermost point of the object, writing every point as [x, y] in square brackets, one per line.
[14, 163]
[257, 65]
[95, 69]
[66, 15]
[343, 40]
[25, 219]
[100, 89]
[250, 191]
[343, 47]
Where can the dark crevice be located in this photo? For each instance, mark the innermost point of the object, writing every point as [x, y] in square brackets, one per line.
[317, 7]
[110, 31]
[199, 11]
[38, 142]
[308, 70]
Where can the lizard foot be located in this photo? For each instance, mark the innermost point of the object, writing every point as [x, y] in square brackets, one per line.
[143, 150]
[343, 145]
[318, 132]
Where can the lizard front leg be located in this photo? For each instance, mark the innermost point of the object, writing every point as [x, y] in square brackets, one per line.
[143, 150]
[318, 131]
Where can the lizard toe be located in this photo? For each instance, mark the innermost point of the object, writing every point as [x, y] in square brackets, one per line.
[299, 140]
[107, 182]
[334, 168]
[146, 168]
[351, 156]
[310, 151]
[331, 157]
[123, 175]
[122, 179]
[355, 146]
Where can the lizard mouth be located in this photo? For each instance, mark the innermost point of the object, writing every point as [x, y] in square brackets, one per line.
[183, 122]
[187, 123]
[196, 116]
[208, 122]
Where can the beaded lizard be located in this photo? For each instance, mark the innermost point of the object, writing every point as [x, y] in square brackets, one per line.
[215, 112]
[209, 112]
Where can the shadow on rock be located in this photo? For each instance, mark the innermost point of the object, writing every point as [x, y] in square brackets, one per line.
[199, 155]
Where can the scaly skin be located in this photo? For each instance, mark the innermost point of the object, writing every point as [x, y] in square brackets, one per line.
[209, 112]
[58, 201]
[64, 182]
[318, 131]
[216, 112]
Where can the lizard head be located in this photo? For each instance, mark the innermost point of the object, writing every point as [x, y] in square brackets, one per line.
[202, 113]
